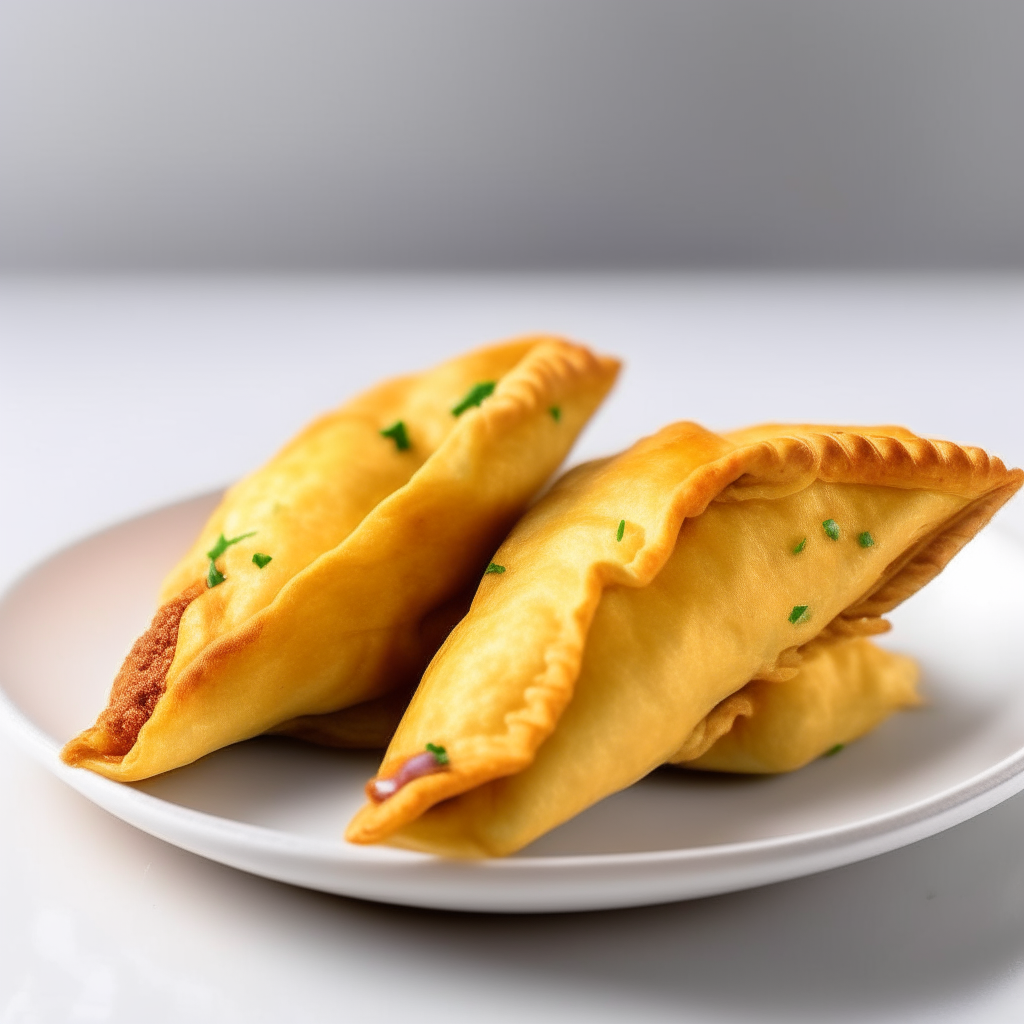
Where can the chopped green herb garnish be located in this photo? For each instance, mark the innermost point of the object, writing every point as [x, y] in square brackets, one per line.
[832, 751]
[798, 614]
[214, 576]
[262, 560]
[865, 540]
[831, 527]
[440, 754]
[621, 530]
[397, 434]
[476, 394]
[223, 544]
[800, 546]
[556, 412]
[494, 567]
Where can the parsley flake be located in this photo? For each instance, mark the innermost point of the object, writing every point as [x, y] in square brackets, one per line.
[440, 754]
[223, 544]
[494, 568]
[621, 530]
[799, 614]
[261, 560]
[832, 751]
[865, 540]
[397, 434]
[214, 576]
[831, 527]
[476, 394]
[556, 412]
[800, 546]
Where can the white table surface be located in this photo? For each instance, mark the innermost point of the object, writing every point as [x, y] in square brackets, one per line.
[119, 396]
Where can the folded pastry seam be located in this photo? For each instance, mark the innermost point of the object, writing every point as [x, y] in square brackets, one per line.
[380, 540]
[564, 562]
[842, 691]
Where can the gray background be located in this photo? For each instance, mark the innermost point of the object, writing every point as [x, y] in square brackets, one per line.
[465, 134]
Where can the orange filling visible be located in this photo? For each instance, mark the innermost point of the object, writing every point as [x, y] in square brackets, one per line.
[143, 676]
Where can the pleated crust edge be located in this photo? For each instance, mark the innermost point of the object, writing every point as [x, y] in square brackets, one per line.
[546, 374]
[769, 467]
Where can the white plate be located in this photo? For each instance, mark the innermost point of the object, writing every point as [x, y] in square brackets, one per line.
[278, 808]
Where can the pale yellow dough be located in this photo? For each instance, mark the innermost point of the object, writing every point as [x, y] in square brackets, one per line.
[373, 549]
[591, 660]
[842, 690]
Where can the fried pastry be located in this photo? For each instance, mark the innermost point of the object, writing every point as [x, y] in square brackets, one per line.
[842, 690]
[330, 576]
[643, 591]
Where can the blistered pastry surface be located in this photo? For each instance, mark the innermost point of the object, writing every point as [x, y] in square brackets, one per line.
[592, 658]
[389, 537]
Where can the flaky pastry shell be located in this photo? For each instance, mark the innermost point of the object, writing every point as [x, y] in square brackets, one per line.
[644, 590]
[373, 533]
[842, 690]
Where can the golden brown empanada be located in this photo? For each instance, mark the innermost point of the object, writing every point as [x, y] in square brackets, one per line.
[644, 590]
[842, 690]
[330, 576]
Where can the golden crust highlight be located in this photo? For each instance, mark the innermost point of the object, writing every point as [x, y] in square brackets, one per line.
[350, 619]
[656, 486]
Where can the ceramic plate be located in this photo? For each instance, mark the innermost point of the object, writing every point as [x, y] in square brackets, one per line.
[277, 808]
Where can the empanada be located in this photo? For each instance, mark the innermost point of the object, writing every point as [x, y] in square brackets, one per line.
[644, 590]
[330, 576]
[842, 689]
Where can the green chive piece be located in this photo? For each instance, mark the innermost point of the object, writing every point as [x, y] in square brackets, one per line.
[798, 614]
[800, 546]
[621, 530]
[262, 560]
[494, 568]
[832, 751]
[865, 540]
[397, 434]
[440, 754]
[223, 544]
[214, 576]
[556, 412]
[476, 394]
[831, 527]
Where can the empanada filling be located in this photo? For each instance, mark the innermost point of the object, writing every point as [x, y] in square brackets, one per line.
[143, 677]
[433, 759]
